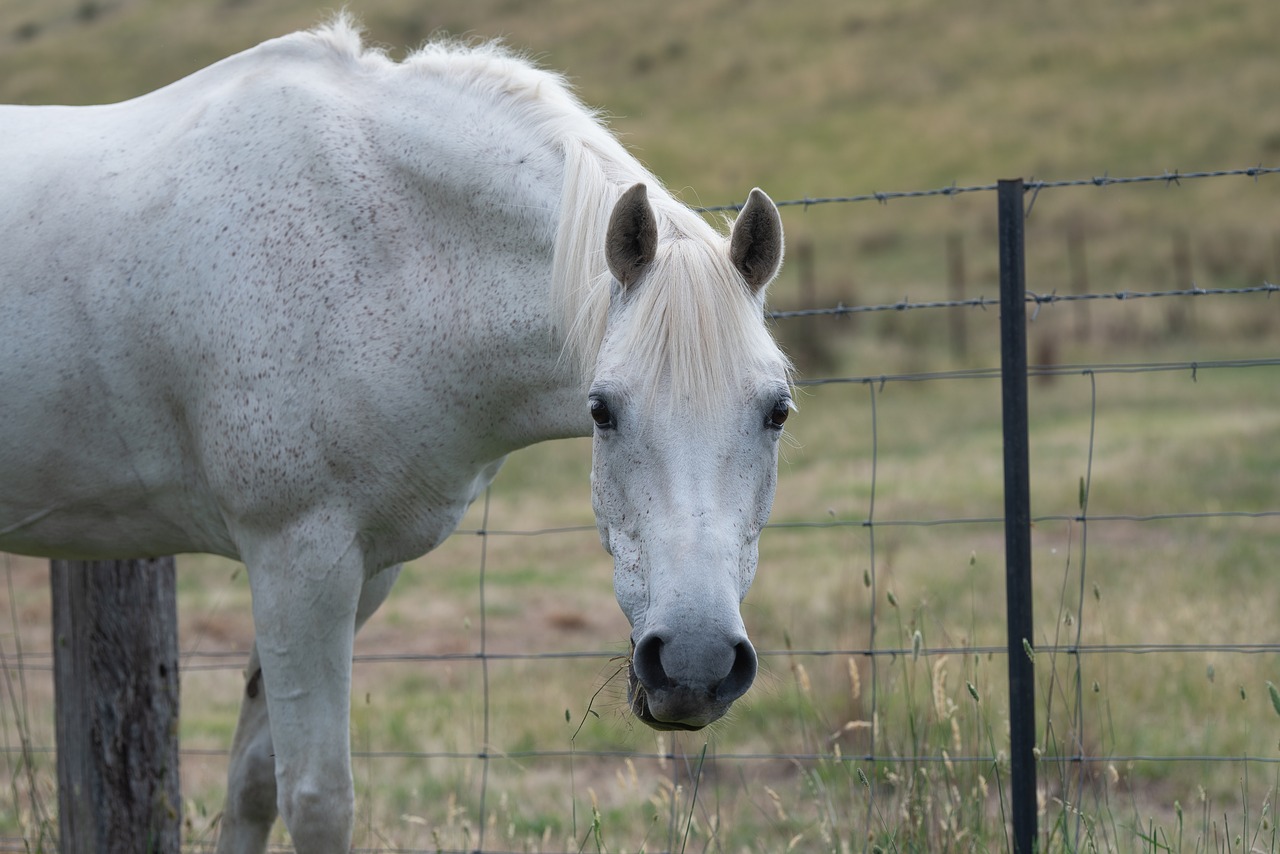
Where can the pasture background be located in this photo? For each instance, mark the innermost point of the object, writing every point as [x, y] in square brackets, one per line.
[820, 99]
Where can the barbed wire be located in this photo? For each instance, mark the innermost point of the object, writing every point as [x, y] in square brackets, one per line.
[1033, 186]
[1038, 300]
[1193, 368]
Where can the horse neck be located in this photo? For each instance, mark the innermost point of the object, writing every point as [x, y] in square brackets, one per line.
[535, 209]
[506, 340]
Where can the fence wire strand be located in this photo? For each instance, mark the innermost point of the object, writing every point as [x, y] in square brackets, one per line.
[1034, 187]
[1037, 300]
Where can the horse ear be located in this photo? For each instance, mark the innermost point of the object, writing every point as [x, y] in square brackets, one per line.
[755, 246]
[632, 239]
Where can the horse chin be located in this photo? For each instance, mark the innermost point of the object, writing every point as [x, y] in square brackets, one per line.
[638, 700]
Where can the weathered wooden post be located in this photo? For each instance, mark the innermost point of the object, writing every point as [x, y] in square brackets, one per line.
[115, 662]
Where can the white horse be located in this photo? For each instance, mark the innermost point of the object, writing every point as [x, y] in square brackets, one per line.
[295, 309]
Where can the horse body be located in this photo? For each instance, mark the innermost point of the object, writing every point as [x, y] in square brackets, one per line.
[261, 306]
[296, 308]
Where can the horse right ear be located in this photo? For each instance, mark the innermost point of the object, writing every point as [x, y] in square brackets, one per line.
[632, 239]
[755, 245]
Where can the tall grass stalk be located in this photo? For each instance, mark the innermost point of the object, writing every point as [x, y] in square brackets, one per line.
[38, 825]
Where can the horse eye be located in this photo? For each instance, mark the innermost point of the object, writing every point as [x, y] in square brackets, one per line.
[778, 416]
[600, 413]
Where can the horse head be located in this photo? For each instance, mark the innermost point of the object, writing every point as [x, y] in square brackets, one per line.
[688, 400]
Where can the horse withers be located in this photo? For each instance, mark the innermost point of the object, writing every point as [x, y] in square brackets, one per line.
[296, 308]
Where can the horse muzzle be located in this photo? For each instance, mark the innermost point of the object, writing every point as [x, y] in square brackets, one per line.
[675, 684]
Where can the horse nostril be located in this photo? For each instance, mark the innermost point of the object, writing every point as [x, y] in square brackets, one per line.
[742, 674]
[646, 661]
[650, 671]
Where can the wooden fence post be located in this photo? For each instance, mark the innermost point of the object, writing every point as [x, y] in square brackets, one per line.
[115, 662]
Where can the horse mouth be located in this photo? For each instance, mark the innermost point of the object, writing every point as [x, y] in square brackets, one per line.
[638, 700]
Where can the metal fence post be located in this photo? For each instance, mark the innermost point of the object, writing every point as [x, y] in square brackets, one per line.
[1017, 513]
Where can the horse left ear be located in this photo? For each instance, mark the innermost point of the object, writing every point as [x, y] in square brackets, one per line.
[755, 246]
[632, 239]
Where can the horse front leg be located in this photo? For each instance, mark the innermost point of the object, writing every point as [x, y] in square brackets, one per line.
[250, 809]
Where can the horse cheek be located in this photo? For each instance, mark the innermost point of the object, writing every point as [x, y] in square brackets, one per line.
[630, 585]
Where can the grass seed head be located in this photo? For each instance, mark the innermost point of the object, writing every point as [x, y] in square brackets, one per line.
[777, 803]
[802, 681]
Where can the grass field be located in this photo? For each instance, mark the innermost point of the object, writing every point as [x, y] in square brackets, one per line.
[820, 99]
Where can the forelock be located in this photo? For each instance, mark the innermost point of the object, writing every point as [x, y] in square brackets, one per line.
[691, 330]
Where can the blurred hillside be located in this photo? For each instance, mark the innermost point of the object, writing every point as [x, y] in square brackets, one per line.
[820, 98]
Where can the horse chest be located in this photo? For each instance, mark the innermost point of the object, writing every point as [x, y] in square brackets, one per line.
[410, 526]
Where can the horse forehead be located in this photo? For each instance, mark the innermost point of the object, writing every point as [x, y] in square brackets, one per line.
[699, 403]
[692, 357]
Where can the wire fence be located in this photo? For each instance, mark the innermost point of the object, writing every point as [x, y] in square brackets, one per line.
[901, 724]
[1170, 179]
[1032, 298]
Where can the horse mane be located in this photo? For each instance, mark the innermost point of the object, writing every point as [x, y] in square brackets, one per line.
[692, 318]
